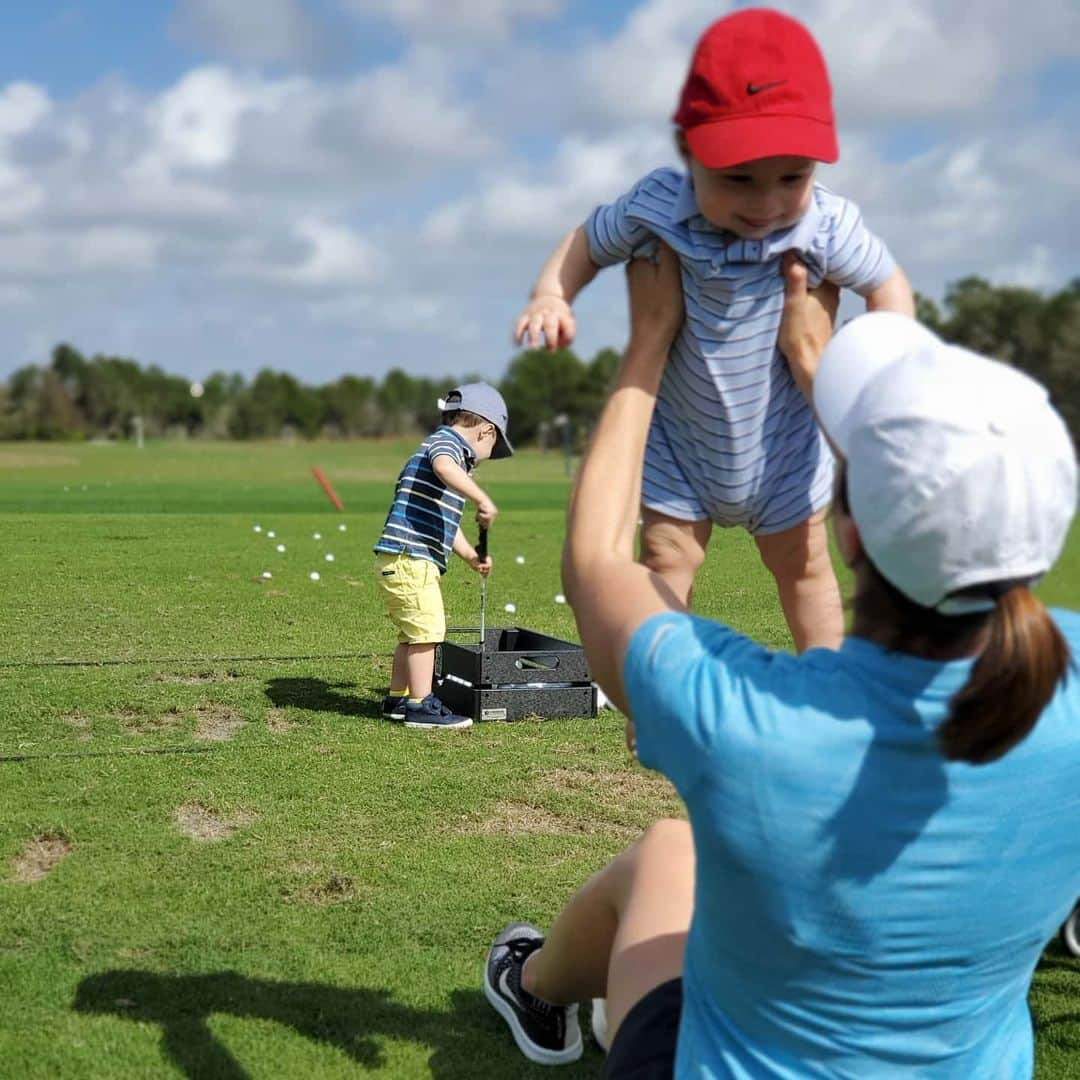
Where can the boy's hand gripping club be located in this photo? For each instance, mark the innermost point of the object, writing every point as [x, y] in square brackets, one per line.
[481, 554]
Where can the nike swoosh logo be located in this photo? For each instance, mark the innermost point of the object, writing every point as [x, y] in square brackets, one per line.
[752, 89]
[504, 983]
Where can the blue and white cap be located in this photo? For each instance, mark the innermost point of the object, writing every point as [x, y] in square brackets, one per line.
[961, 476]
[484, 400]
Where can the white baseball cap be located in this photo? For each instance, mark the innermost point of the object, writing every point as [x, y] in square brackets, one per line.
[960, 473]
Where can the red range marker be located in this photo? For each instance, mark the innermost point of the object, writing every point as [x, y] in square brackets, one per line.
[331, 494]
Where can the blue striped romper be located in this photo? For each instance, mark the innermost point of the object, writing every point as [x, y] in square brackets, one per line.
[733, 439]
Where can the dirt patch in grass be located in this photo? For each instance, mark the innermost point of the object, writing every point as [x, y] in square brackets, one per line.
[80, 723]
[615, 788]
[334, 888]
[203, 824]
[518, 818]
[216, 723]
[138, 722]
[41, 855]
[277, 722]
[195, 678]
[625, 799]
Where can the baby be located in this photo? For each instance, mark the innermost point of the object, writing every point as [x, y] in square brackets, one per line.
[733, 440]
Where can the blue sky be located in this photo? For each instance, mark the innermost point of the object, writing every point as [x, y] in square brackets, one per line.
[331, 186]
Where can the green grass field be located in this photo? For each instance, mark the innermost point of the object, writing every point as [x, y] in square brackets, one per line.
[216, 860]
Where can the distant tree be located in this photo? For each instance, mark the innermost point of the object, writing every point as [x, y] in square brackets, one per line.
[1039, 334]
[349, 405]
[75, 395]
[56, 414]
[540, 385]
[396, 401]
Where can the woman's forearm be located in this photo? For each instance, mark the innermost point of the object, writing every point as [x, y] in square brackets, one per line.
[611, 593]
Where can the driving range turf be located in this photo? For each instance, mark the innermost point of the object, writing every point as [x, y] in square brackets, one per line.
[216, 860]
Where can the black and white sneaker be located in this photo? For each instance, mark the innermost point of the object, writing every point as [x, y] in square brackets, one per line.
[546, 1034]
[599, 1024]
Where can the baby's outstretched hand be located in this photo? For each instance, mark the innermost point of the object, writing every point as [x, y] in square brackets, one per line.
[548, 317]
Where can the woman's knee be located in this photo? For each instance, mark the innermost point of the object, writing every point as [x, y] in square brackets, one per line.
[666, 850]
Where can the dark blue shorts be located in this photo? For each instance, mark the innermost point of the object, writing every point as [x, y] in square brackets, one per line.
[644, 1047]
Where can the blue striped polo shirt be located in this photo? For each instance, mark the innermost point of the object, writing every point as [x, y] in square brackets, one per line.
[425, 513]
[733, 438]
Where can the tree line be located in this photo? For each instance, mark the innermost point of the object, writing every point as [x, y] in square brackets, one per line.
[78, 397]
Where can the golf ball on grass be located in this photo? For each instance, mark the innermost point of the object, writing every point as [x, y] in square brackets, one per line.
[271, 534]
[281, 548]
[316, 536]
[314, 575]
[341, 527]
[258, 528]
[266, 574]
[510, 608]
[559, 598]
[520, 560]
[329, 557]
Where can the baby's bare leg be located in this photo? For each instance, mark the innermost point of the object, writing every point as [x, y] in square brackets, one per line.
[674, 549]
[798, 558]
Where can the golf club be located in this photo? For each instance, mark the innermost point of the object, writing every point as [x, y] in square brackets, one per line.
[481, 553]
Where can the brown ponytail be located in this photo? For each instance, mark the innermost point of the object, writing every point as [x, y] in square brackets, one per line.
[1023, 657]
[1016, 674]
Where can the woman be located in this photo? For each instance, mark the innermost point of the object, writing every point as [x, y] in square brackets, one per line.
[885, 835]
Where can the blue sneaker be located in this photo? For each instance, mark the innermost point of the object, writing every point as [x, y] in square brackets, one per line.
[432, 713]
[393, 707]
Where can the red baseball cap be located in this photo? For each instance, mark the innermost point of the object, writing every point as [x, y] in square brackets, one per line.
[757, 87]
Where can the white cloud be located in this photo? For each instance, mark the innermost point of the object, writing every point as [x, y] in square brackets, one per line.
[978, 206]
[53, 255]
[19, 196]
[638, 74]
[918, 59]
[326, 256]
[22, 106]
[473, 20]
[1034, 268]
[584, 172]
[398, 211]
[249, 30]
[928, 58]
[195, 122]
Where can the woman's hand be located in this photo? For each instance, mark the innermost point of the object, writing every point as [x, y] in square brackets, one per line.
[807, 322]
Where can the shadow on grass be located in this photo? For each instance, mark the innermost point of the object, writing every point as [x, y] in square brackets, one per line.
[349, 1019]
[321, 696]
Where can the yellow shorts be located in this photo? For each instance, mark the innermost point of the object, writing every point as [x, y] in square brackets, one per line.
[413, 597]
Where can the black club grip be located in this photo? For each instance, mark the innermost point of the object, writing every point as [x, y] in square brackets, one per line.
[481, 545]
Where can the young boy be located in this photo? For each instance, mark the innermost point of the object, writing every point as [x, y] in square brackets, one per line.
[422, 528]
[733, 440]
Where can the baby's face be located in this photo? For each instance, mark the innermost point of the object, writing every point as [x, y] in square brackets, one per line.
[755, 198]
